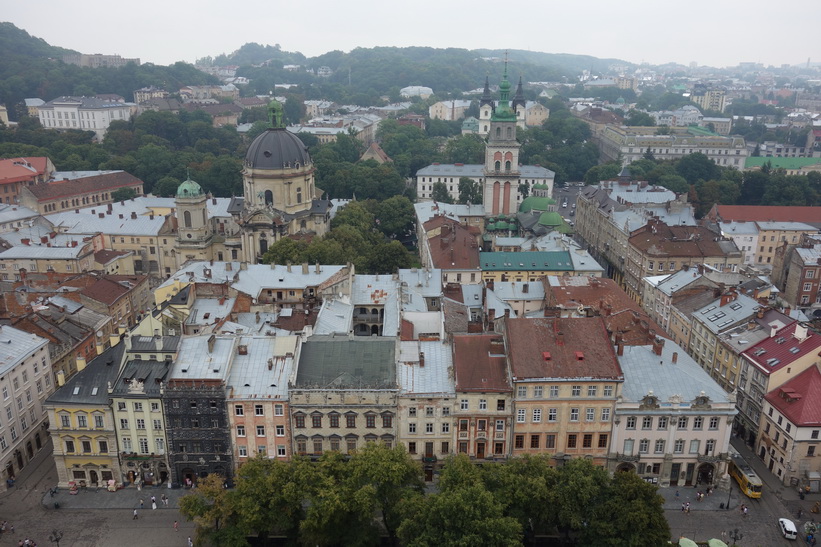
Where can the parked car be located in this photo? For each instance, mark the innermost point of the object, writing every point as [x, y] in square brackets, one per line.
[788, 529]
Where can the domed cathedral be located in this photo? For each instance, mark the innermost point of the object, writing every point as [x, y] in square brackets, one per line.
[501, 170]
[280, 198]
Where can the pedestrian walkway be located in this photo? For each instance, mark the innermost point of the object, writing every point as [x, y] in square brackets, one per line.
[125, 498]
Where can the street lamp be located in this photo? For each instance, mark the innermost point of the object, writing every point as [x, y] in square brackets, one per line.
[735, 535]
[55, 537]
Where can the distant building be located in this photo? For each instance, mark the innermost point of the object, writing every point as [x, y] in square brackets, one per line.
[83, 113]
[150, 92]
[416, 91]
[73, 190]
[448, 110]
[709, 98]
[98, 60]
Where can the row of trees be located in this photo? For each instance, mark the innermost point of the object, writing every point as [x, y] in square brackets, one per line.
[365, 233]
[706, 183]
[378, 492]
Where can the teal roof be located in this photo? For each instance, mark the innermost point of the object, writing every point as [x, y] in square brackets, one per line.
[781, 163]
[470, 124]
[189, 189]
[535, 202]
[559, 261]
[502, 225]
[551, 218]
[490, 226]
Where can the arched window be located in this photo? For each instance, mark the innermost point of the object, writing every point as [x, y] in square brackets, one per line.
[269, 197]
[303, 225]
[498, 165]
[509, 132]
[263, 246]
[299, 195]
[507, 166]
[204, 217]
[498, 131]
[186, 216]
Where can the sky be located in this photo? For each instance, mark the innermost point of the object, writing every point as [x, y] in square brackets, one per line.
[708, 32]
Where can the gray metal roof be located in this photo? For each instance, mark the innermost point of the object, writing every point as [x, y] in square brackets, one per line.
[478, 171]
[435, 377]
[335, 317]
[329, 362]
[718, 318]
[196, 361]
[263, 276]
[368, 290]
[15, 345]
[149, 373]
[90, 385]
[644, 371]
[263, 372]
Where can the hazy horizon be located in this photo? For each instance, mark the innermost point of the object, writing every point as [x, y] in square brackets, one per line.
[708, 33]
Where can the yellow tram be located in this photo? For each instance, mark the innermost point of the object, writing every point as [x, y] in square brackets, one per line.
[745, 476]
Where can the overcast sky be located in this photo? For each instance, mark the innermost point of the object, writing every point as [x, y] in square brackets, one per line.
[709, 32]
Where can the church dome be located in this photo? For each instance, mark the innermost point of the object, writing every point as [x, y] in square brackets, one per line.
[535, 202]
[550, 219]
[277, 149]
[189, 189]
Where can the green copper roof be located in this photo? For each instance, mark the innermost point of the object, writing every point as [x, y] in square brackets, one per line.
[503, 112]
[490, 226]
[526, 261]
[551, 218]
[535, 202]
[189, 189]
[781, 163]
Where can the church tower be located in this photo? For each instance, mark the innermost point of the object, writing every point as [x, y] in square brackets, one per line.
[194, 233]
[501, 169]
[485, 109]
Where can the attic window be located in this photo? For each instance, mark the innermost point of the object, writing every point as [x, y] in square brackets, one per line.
[579, 356]
[759, 352]
[76, 390]
[780, 340]
[94, 391]
[735, 306]
[773, 361]
[206, 315]
[795, 350]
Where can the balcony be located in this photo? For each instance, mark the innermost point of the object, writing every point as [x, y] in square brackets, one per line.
[627, 457]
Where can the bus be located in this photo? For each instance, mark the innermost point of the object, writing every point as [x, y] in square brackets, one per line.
[745, 476]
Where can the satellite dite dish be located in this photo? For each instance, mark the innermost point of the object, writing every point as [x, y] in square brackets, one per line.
[99, 334]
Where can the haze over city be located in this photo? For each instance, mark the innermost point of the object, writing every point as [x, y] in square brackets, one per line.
[705, 32]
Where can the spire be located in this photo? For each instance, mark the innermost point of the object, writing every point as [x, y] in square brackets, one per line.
[503, 112]
[519, 98]
[275, 115]
[486, 98]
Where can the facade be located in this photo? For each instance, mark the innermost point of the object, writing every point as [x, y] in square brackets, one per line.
[19, 173]
[124, 298]
[797, 273]
[258, 412]
[532, 266]
[19, 260]
[447, 245]
[196, 410]
[83, 113]
[790, 428]
[562, 410]
[672, 423]
[771, 235]
[97, 60]
[343, 394]
[25, 380]
[81, 424]
[720, 315]
[709, 98]
[765, 213]
[448, 110]
[482, 413]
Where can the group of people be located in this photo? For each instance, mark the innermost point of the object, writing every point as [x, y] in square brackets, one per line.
[163, 500]
[700, 495]
[685, 507]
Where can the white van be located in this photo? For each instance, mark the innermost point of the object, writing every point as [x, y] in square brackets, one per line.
[788, 529]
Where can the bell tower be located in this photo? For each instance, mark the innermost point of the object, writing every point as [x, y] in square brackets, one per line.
[501, 170]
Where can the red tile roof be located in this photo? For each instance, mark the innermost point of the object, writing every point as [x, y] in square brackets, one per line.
[22, 169]
[661, 240]
[776, 352]
[560, 348]
[105, 291]
[84, 185]
[455, 248]
[799, 399]
[766, 213]
[620, 312]
[476, 368]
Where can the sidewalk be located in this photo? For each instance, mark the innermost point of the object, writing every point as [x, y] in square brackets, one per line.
[125, 498]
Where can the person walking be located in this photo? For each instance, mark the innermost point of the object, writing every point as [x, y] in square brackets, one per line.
[190, 543]
[141, 503]
[176, 526]
[135, 515]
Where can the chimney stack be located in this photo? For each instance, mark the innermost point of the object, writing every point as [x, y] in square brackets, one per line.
[304, 268]
[560, 338]
[675, 357]
[658, 344]
[421, 359]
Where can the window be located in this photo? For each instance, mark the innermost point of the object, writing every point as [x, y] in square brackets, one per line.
[120, 405]
[316, 420]
[576, 391]
[694, 446]
[240, 431]
[463, 425]
[571, 440]
[554, 392]
[243, 451]
[258, 410]
[157, 425]
[387, 420]
[445, 411]
[647, 422]
[605, 414]
[698, 421]
[608, 391]
[500, 405]
[814, 434]
[280, 431]
[239, 410]
[500, 425]
[65, 421]
[333, 417]
[429, 411]
[574, 414]
[412, 447]
[299, 421]
[103, 447]
[123, 423]
[534, 441]
[521, 392]
[590, 414]
[69, 446]
[587, 440]
[644, 446]
[714, 422]
[279, 410]
[603, 440]
[281, 451]
[138, 407]
[481, 425]
[370, 420]
[143, 445]
[482, 404]
[537, 415]
[811, 450]
[463, 404]
[678, 446]
[446, 427]
[659, 446]
[552, 414]
[127, 444]
[521, 416]
[631, 422]
[519, 442]
[99, 421]
[429, 427]
[411, 427]
[155, 407]
[260, 431]
[662, 422]
[710, 445]
[592, 391]
[350, 420]
[537, 392]
[682, 422]
[140, 423]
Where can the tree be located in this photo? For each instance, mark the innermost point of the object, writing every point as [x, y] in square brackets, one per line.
[166, 187]
[674, 183]
[639, 118]
[394, 216]
[697, 166]
[123, 194]
[579, 484]
[461, 517]
[629, 512]
[440, 193]
[465, 149]
[284, 251]
[211, 508]
[387, 258]
[470, 191]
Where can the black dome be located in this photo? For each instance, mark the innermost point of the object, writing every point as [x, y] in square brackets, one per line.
[277, 149]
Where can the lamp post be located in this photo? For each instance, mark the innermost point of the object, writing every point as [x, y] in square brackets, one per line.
[729, 493]
[55, 537]
[735, 535]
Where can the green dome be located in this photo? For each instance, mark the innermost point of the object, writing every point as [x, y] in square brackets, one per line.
[189, 189]
[490, 226]
[540, 187]
[551, 218]
[535, 202]
[501, 225]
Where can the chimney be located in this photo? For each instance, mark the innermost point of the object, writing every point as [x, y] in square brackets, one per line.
[507, 313]
[491, 315]
[25, 241]
[658, 343]
[560, 338]
[256, 318]
[619, 347]
[127, 342]
[608, 309]
[421, 359]
[101, 215]
[43, 239]
[158, 342]
[211, 341]
[61, 378]
[304, 268]
[81, 362]
[242, 266]
[317, 270]
[228, 266]
[546, 356]
[760, 313]
[288, 265]
[133, 215]
[675, 357]
[214, 201]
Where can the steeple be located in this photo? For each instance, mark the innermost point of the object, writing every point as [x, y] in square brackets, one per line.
[503, 112]
[486, 98]
[275, 115]
[519, 98]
